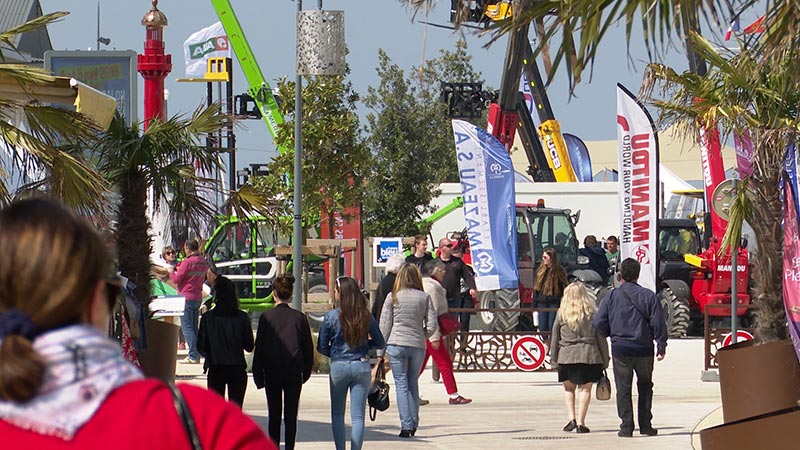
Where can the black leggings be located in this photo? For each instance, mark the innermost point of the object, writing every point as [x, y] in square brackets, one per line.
[283, 393]
[234, 377]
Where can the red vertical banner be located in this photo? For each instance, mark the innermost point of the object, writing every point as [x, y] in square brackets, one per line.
[344, 229]
[713, 175]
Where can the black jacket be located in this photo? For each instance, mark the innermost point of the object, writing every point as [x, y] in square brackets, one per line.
[222, 339]
[384, 288]
[283, 343]
[597, 261]
[456, 270]
[419, 261]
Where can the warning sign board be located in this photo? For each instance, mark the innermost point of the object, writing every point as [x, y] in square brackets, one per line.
[741, 336]
[528, 353]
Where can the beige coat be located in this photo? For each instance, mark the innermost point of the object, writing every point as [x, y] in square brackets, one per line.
[438, 295]
[584, 347]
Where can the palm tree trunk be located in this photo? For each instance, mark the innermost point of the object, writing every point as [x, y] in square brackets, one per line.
[767, 273]
[133, 239]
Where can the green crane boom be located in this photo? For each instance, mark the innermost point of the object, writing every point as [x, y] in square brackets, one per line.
[258, 87]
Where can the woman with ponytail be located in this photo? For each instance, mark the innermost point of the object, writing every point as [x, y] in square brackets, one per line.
[347, 335]
[63, 383]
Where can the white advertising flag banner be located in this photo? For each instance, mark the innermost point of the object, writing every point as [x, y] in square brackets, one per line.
[210, 42]
[638, 186]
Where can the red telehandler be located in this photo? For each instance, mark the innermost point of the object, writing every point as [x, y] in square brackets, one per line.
[707, 277]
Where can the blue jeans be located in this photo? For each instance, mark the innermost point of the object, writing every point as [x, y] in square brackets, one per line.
[547, 318]
[354, 376]
[191, 315]
[406, 362]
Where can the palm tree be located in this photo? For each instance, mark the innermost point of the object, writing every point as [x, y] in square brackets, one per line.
[753, 92]
[167, 159]
[662, 21]
[44, 145]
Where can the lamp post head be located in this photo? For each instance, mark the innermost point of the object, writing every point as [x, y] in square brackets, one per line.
[154, 19]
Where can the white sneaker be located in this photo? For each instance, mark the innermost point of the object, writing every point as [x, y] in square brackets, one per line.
[188, 360]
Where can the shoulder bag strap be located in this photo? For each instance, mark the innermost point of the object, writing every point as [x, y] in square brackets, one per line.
[185, 415]
[380, 374]
[632, 303]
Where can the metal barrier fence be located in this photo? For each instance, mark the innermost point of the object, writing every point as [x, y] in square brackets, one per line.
[491, 351]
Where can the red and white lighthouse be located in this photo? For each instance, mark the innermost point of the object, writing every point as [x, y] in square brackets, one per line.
[154, 65]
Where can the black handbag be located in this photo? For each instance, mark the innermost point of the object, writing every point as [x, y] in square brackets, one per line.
[378, 395]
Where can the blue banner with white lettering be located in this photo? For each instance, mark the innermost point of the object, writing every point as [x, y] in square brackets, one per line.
[487, 186]
[790, 168]
[579, 157]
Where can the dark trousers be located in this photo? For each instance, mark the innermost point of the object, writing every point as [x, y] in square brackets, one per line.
[283, 395]
[463, 317]
[624, 368]
[234, 377]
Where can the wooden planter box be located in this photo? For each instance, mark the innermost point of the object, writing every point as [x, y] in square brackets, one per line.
[758, 379]
[777, 430]
[160, 358]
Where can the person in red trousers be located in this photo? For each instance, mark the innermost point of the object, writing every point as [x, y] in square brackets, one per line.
[432, 276]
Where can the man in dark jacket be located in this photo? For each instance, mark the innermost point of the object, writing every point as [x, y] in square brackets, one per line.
[597, 256]
[455, 271]
[633, 317]
[419, 254]
[386, 285]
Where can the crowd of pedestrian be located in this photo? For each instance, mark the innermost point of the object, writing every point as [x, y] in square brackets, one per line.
[40, 349]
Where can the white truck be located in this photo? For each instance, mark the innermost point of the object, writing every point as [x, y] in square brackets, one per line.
[598, 203]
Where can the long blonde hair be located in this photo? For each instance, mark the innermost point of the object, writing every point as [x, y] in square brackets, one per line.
[576, 306]
[408, 277]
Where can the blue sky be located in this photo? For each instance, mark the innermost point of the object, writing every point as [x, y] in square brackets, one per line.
[370, 25]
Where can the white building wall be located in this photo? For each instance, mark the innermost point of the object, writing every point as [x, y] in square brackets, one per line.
[597, 202]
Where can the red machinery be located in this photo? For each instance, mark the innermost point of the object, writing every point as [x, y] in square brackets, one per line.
[712, 280]
[711, 270]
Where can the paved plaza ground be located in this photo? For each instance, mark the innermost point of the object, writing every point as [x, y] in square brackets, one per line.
[514, 410]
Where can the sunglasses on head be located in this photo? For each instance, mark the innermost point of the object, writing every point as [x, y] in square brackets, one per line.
[339, 282]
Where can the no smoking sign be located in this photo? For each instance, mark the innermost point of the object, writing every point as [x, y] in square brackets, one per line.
[528, 353]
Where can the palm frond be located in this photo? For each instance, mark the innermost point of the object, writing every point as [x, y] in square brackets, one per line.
[741, 210]
[7, 37]
[72, 181]
[248, 201]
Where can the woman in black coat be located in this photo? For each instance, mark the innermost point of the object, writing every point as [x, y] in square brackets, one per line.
[225, 334]
[282, 361]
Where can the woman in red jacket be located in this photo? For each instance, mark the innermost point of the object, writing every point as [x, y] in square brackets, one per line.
[63, 383]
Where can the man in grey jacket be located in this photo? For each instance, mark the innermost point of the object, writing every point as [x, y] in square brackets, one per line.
[633, 317]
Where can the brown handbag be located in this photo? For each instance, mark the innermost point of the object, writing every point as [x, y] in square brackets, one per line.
[603, 390]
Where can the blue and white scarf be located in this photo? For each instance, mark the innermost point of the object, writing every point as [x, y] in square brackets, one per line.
[83, 368]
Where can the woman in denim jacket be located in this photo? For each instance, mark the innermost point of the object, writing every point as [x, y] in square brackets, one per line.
[346, 336]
